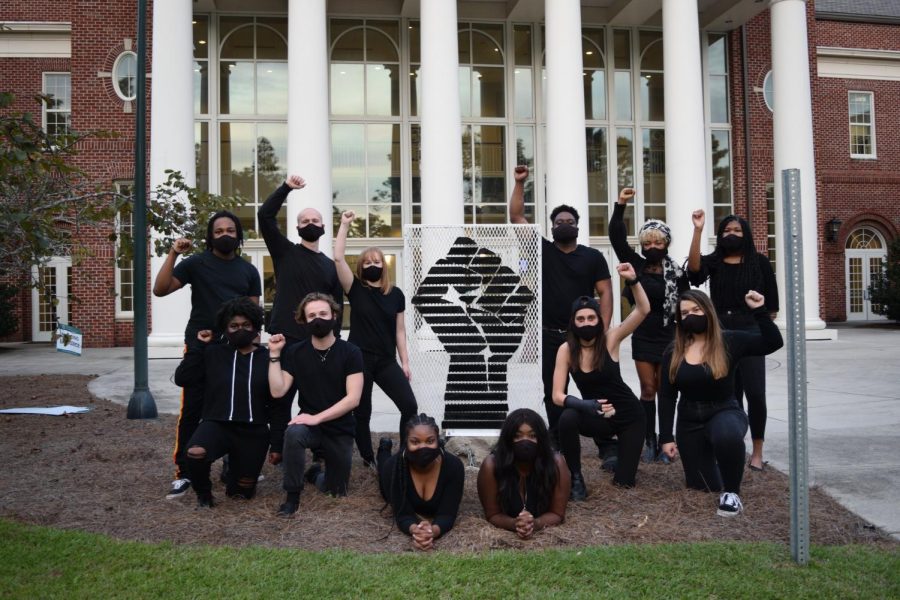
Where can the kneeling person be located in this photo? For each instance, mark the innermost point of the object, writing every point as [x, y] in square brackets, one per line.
[240, 417]
[328, 373]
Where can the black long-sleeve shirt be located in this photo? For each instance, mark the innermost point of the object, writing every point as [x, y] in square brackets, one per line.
[442, 507]
[726, 288]
[298, 270]
[235, 387]
[696, 384]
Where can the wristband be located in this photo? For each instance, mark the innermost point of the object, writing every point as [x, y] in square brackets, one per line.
[274, 359]
[631, 282]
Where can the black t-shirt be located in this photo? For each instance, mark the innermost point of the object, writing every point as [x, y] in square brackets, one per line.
[214, 280]
[567, 276]
[373, 320]
[321, 379]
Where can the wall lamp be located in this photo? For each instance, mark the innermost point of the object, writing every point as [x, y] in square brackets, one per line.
[832, 228]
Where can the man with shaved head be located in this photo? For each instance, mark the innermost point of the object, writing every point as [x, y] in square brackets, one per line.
[299, 268]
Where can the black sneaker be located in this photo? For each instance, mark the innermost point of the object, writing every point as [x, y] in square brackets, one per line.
[579, 490]
[730, 505]
[312, 473]
[610, 463]
[651, 451]
[205, 500]
[179, 488]
[287, 509]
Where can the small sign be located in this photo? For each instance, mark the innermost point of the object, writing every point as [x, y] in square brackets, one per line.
[68, 340]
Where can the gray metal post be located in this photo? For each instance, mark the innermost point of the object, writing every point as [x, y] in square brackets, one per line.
[796, 365]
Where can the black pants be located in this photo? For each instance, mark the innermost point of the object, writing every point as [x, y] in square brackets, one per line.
[188, 420]
[750, 378]
[627, 425]
[551, 340]
[390, 378]
[337, 450]
[710, 438]
[246, 444]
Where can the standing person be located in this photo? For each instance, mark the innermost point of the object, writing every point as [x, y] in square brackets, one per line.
[215, 275]
[608, 406]
[733, 269]
[240, 417]
[378, 328]
[523, 484]
[299, 268]
[327, 372]
[701, 367]
[422, 483]
[569, 271]
[662, 280]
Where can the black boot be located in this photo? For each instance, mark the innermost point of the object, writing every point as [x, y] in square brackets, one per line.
[579, 490]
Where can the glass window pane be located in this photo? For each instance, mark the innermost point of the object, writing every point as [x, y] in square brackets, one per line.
[339, 26]
[622, 48]
[381, 38]
[490, 164]
[201, 155]
[357, 226]
[58, 87]
[721, 167]
[347, 91]
[383, 89]
[201, 87]
[383, 163]
[385, 221]
[465, 91]
[655, 211]
[491, 214]
[238, 43]
[718, 99]
[525, 156]
[654, 146]
[201, 36]
[598, 198]
[651, 51]
[523, 45]
[415, 89]
[592, 49]
[236, 88]
[348, 164]
[488, 98]
[278, 25]
[271, 88]
[414, 41]
[271, 157]
[624, 157]
[524, 86]
[486, 46]
[623, 96]
[349, 46]
[269, 44]
[125, 77]
[652, 103]
[415, 138]
[717, 64]
[237, 143]
[594, 94]
[464, 41]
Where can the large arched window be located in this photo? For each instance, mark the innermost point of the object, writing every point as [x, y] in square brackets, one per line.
[653, 137]
[593, 45]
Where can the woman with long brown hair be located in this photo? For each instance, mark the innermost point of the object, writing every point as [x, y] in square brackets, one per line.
[711, 424]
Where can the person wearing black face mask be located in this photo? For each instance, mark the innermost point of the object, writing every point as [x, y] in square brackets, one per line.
[422, 483]
[734, 268]
[700, 366]
[327, 372]
[378, 328]
[662, 279]
[215, 276]
[569, 270]
[608, 407]
[240, 416]
[299, 268]
[523, 484]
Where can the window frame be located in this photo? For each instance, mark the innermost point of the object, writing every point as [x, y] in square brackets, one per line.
[120, 313]
[871, 124]
[115, 76]
[45, 110]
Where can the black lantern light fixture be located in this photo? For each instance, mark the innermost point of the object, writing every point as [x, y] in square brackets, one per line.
[832, 228]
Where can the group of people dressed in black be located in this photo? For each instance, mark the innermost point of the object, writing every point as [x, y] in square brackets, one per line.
[698, 353]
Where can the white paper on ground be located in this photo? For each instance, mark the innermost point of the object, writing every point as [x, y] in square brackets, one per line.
[46, 410]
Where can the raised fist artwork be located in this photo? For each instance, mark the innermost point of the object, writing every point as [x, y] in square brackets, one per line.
[476, 307]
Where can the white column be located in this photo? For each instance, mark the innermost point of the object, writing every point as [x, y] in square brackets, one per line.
[171, 147]
[309, 130]
[793, 132]
[686, 170]
[566, 149]
[441, 161]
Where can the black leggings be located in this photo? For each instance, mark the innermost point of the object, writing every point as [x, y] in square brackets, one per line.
[188, 420]
[246, 444]
[390, 378]
[710, 440]
[627, 425]
[750, 378]
[550, 342]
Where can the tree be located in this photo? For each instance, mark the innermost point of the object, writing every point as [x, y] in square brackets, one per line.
[885, 291]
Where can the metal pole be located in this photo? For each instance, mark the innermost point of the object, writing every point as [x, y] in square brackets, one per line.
[141, 405]
[796, 365]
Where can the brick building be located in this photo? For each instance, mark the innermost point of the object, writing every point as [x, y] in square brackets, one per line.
[660, 111]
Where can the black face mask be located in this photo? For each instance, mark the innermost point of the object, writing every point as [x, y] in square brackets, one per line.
[241, 338]
[422, 457]
[320, 327]
[653, 255]
[731, 243]
[587, 332]
[565, 233]
[372, 273]
[311, 232]
[694, 323]
[225, 244]
[525, 451]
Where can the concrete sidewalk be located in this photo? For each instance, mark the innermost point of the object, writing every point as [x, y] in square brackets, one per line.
[853, 408]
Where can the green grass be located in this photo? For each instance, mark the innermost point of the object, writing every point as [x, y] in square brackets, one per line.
[38, 562]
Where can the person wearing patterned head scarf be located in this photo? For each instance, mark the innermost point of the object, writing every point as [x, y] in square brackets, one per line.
[663, 280]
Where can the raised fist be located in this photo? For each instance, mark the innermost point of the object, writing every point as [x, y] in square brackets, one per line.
[698, 218]
[626, 194]
[347, 217]
[205, 336]
[181, 245]
[295, 182]
[626, 271]
[520, 173]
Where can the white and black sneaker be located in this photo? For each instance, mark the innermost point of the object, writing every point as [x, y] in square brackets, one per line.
[730, 505]
[179, 488]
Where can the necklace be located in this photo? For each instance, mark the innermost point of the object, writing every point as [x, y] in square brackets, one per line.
[322, 356]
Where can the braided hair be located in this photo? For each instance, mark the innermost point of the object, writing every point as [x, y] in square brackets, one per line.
[238, 228]
[750, 275]
[401, 468]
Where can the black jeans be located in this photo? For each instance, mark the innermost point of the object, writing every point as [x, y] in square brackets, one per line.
[245, 443]
[710, 438]
[627, 425]
[188, 420]
[337, 450]
[750, 378]
[551, 340]
[390, 378]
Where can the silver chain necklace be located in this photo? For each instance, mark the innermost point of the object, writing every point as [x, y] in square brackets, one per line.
[322, 357]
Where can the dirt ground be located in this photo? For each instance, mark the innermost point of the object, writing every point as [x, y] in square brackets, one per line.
[102, 473]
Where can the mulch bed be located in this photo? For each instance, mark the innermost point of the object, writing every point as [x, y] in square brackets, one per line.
[102, 473]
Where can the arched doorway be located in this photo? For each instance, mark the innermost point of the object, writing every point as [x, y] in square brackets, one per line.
[865, 251]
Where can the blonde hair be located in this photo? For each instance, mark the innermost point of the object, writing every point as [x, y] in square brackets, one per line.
[375, 252]
[715, 357]
[300, 313]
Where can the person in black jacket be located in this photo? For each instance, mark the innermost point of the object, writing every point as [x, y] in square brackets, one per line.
[422, 483]
[663, 280]
[701, 367]
[733, 269]
[240, 417]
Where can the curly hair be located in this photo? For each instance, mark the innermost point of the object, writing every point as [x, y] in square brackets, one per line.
[564, 208]
[243, 307]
